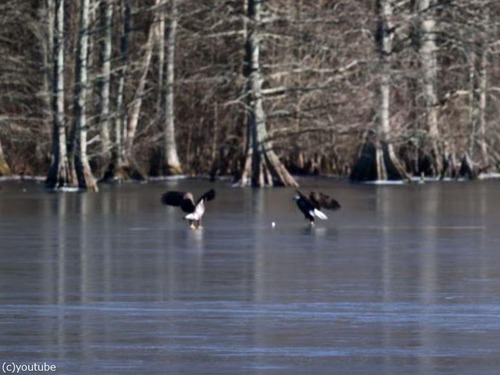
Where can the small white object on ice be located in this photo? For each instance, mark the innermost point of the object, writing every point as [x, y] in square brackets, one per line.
[273, 224]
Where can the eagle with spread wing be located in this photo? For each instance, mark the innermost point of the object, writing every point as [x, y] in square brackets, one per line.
[185, 200]
[311, 206]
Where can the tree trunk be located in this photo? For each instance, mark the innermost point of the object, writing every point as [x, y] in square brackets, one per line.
[378, 160]
[133, 117]
[4, 167]
[262, 164]
[427, 51]
[161, 57]
[48, 49]
[479, 86]
[483, 87]
[82, 167]
[105, 54]
[171, 163]
[158, 154]
[468, 169]
[117, 169]
[477, 110]
[60, 171]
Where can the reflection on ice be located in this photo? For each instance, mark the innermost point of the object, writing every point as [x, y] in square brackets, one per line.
[195, 239]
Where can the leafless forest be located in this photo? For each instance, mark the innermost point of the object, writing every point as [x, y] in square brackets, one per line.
[261, 90]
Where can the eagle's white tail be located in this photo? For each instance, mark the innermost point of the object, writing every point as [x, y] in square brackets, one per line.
[319, 214]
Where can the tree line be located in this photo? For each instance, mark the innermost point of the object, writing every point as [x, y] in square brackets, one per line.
[262, 90]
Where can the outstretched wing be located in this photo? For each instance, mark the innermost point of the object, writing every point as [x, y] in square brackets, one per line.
[181, 199]
[322, 200]
[208, 196]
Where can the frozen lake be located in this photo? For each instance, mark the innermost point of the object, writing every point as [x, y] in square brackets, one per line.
[401, 280]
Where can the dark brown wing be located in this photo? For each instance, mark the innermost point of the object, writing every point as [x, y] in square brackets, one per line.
[181, 199]
[315, 199]
[208, 196]
[322, 200]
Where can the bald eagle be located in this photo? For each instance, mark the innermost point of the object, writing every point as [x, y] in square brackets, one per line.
[186, 202]
[310, 206]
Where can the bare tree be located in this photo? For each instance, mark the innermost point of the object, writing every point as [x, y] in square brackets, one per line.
[313, 88]
[171, 163]
[482, 105]
[60, 172]
[478, 93]
[123, 165]
[117, 168]
[378, 160]
[135, 111]
[427, 51]
[262, 164]
[82, 167]
[106, 8]
[4, 167]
